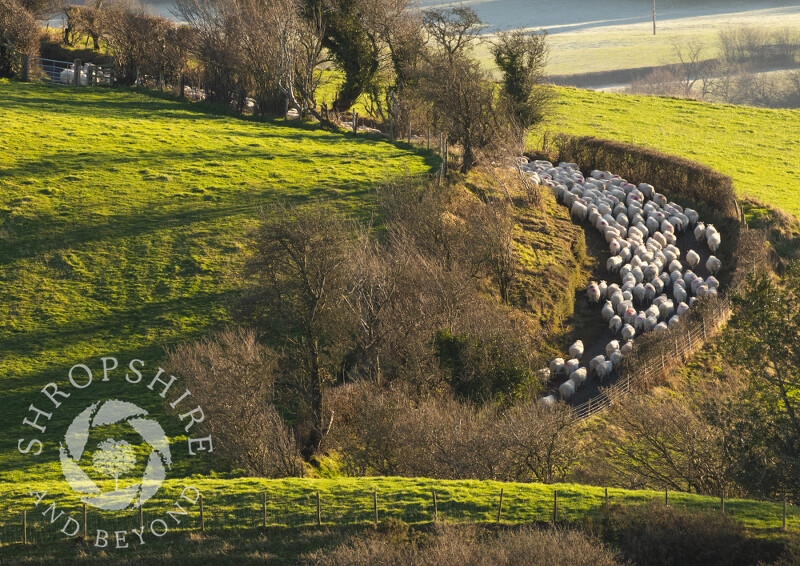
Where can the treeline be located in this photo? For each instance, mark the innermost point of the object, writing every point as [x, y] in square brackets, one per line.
[736, 70]
[417, 307]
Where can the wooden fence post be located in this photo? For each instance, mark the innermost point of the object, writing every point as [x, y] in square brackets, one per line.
[606, 497]
[722, 502]
[409, 130]
[202, 515]
[141, 517]
[90, 75]
[182, 86]
[435, 507]
[429, 138]
[319, 516]
[264, 509]
[85, 528]
[24, 527]
[784, 513]
[666, 496]
[555, 506]
[355, 122]
[704, 329]
[375, 506]
[76, 76]
[26, 68]
[500, 509]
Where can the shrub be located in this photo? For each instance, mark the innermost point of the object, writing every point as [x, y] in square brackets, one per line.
[657, 534]
[19, 27]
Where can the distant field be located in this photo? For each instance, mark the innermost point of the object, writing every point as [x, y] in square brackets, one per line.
[758, 148]
[121, 220]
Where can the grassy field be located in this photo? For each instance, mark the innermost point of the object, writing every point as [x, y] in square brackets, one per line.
[121, 220]
[758, 148]
[241, 504]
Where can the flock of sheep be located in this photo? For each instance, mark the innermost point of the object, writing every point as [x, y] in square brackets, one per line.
[641, 229]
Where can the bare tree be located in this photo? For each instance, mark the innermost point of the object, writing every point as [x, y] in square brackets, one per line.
[692, 67]
[232, 377]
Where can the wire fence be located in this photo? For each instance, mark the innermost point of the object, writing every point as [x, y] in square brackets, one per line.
[645, 368]
[466, 503]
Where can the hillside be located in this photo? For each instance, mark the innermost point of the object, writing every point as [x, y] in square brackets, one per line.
[121, 216]
[758, 148]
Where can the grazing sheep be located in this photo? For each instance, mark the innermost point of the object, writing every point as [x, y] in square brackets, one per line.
[692, 258]
[557, 366]
[566, 390]
[713, 264]
[576, 350]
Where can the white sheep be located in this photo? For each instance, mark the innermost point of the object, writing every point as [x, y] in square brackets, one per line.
[607, 312]
[571, 365]
[714, 242]
[700, 232]
[595, 361]
[604, 370]
[567, 390]
[692, 258]
[612, 346]
[557, 366]
[614, 263]
[615, 358]
[615, 324]
[578, 377]
[628, 332]
[544, 375]
[576, 350]
[548, 401]
[713, 264]
[593, 293]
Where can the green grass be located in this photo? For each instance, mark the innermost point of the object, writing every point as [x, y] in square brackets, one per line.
[122, 218]
[758, 148]
[238, 504]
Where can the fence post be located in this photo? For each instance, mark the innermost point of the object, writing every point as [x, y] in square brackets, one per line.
[722, 502]
[26, 68]
[446, 151]
[141, 517]
[666, 496]
[264, 509]
[202, 516]
[90, 75]
[555, 506]
[85, 528]
[375, 506]
[606, 497]
[500, 509]
[182, 86]
[319, 517]
[24, 527]
[784, 512]
[704, 329]
[355, 122]
[409, 130]
[429, 138]
[689, 339]
[435, 507]
[76, 76]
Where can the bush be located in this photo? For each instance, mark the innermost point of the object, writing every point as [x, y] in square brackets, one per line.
[657, 534]
[472, 546]
[20, 28]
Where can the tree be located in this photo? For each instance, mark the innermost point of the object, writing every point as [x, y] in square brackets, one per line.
[18, 27]
[454, 31]
[232, 376]
[763, 341]
[522, 58]
[298, 267]
[114, 458]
